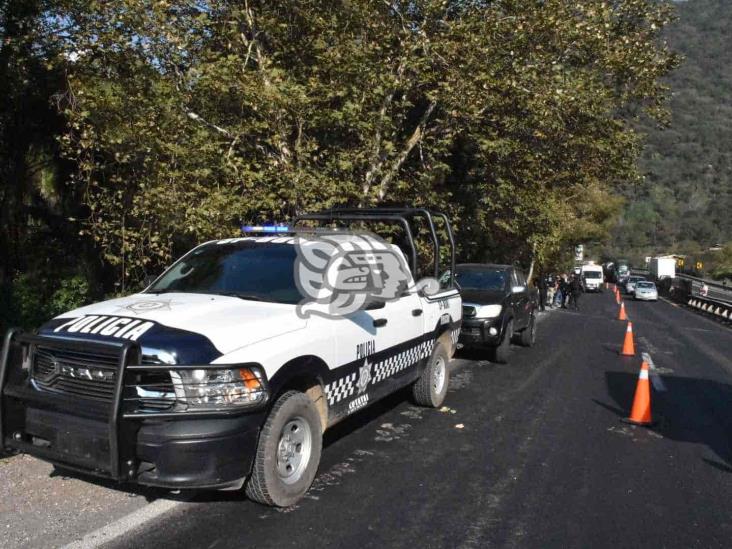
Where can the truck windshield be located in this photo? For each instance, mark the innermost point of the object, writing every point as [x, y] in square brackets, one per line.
[593, 274]
[473, 279]
[249, 270]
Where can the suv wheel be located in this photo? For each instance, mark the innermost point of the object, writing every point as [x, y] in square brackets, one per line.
[500, 353]
[528, 336]
[430, 389]
[288, 452]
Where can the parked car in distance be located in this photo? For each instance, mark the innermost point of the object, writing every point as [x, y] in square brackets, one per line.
[498, 308]
[645, 290]
[631, 282]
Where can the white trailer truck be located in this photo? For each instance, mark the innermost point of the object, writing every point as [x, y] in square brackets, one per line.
[662, 267]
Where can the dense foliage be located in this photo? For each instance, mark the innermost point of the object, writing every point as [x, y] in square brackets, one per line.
[173, 122]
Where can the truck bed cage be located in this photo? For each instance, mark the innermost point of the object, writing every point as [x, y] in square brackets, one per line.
[403, 216]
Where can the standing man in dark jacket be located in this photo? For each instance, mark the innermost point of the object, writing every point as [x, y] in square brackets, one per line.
[564, 289]
[542, 285]
[576, 289]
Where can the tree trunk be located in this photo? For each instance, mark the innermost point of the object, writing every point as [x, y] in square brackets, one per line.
[413, 140]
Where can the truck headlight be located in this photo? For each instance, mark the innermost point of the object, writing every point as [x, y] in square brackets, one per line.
[488, 311]
[218, 388]
[204, 388]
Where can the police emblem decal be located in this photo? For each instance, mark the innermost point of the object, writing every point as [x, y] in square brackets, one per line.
[146, 305]
[364, 376]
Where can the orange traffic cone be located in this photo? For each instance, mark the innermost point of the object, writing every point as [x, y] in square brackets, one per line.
[628, 345]
[621, 314]
[617, 296]
[640, 414]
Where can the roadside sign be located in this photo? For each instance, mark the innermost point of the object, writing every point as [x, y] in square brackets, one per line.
[579, 252]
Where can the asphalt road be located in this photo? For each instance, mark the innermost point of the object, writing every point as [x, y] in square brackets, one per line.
[528, 454]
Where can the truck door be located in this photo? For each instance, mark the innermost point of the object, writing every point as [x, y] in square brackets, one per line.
[382, 330]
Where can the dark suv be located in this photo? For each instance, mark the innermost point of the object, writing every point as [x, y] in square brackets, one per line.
[498, 307]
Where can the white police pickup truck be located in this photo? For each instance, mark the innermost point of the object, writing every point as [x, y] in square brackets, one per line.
[227, 370]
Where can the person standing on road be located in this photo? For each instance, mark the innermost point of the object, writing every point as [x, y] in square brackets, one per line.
[541, 283]
[576, 292]
[570, 296]
[551, 287]
[563, 291]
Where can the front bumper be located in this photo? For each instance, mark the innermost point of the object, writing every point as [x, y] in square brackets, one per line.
[94, 437]
[646, 297]
[477, 332]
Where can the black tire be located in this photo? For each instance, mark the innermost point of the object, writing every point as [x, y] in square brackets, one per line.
[267, 483]
[500, 353]
[431, 387]
[527, 337]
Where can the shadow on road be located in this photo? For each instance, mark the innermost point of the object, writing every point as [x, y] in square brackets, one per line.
[332, 436]
[149, 493]
[689, 410]
[473, 353]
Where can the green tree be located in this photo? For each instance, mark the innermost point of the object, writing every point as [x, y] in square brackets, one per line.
[37, 207]
[187, 118]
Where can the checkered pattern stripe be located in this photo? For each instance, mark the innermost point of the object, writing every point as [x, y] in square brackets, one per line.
[394, 364]
[340, 388]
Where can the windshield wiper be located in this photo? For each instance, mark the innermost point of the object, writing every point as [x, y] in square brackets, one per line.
[248, 297]
[161, 291]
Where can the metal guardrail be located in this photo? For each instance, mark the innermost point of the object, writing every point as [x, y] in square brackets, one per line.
[716, 290]
[721, 310]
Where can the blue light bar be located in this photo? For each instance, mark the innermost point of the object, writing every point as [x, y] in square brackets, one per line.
[265, 229]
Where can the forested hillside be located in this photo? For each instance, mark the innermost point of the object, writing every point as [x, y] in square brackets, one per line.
[685, 202]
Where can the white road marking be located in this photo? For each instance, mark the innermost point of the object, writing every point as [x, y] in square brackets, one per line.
[656, 380]
[111, 531]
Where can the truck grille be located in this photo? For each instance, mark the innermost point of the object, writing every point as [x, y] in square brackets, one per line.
[78, 373]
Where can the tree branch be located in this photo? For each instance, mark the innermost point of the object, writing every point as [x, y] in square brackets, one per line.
[413, 140]
[223, 131]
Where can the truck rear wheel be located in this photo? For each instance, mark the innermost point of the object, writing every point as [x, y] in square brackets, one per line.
[288, 452]
[430, 389]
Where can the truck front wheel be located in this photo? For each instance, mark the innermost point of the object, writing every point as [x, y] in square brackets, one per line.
[527, 337]
[288, 452]
[500, 352]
